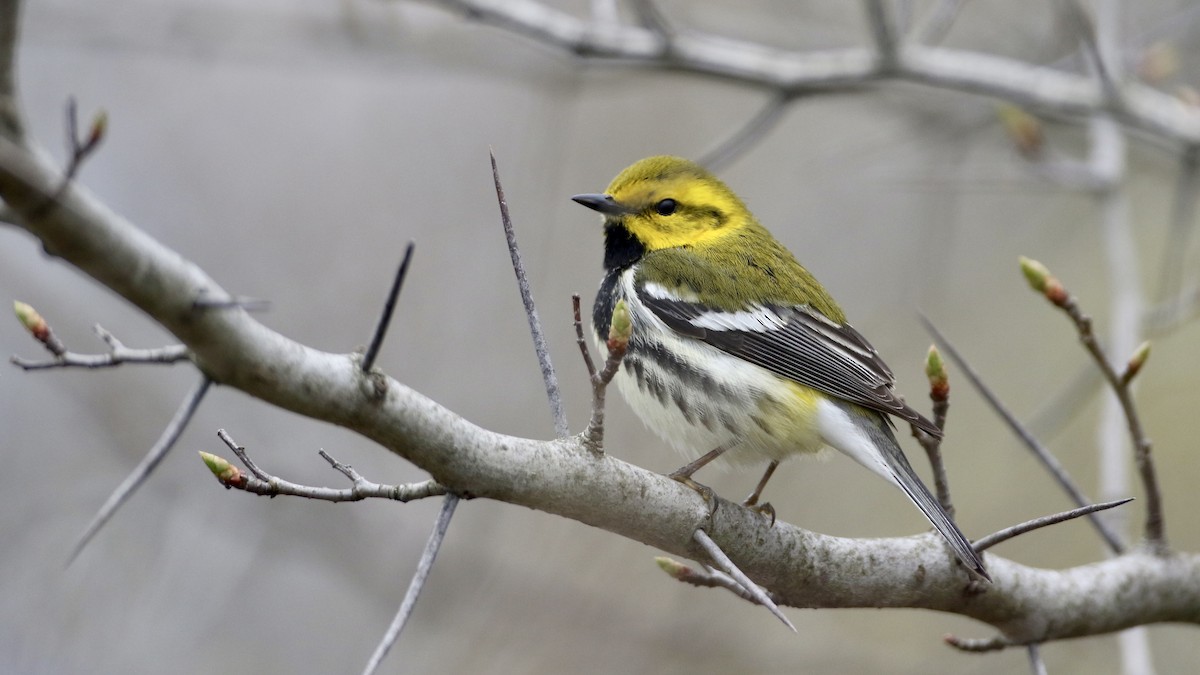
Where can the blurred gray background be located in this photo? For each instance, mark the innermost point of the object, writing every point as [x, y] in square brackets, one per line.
[292, 148]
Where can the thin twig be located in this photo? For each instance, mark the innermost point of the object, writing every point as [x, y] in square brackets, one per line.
[118, 354]
[235, 302]
[750, 133]
[593, 436]
[1036, 665]
[1183, 222]
[939, 395]
[707, 578]
[984, 543]
[549, 379]
[1155, 527]
[260, 482]
[78, 150]
[1112, 539]
[937, 21]
[1082, 23]
[883, 32]
[144, 468]
[758, 595]
[418, 582]
[389, 306]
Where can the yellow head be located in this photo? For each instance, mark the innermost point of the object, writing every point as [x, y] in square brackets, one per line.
[667, 202]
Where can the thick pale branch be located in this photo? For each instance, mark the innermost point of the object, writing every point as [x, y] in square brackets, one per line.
[561, 477]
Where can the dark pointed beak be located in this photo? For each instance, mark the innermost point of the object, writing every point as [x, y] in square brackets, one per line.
[604, 204]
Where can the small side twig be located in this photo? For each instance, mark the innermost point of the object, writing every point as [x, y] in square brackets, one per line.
[389, 307]
[757, 594]
[984, 543]
[620, 330]
[1111, 538]
[144, 468]
[549, 379]
[749, 133]
[78, 151]
[939, 394]
[418, 582]
[118, 354]
[260, 482]
[707, 578]
[1045, 283]
[1036, 665]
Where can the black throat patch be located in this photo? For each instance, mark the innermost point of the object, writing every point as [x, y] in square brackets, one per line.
[621, 248]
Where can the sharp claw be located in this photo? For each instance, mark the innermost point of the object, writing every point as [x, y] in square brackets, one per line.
[706, 492]
[764, 509]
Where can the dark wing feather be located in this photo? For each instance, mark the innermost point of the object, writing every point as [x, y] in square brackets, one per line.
[805, 347]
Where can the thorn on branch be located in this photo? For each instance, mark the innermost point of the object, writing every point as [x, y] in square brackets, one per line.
[1007, 533]
[389, 307]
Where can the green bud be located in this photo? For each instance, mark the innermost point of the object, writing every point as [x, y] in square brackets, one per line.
[1024, 129]
[29, 317]
[620, 328]
[935, 370]
[673, 568]
[1043, 282]
[225, 472]
[1136, 362]
[1035, 273]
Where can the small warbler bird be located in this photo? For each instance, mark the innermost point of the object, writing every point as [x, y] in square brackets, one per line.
[734, 345]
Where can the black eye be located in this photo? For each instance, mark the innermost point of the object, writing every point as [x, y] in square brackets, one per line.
[666, 207]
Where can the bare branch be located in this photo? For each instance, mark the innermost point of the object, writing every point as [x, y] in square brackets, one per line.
[262, 483]
[118, 354]
[144, 468]
[1039, 451]
[1053, 290]
[1022, 83]
[1036, 665]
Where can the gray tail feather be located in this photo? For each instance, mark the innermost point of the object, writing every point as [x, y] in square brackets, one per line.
[920, 495]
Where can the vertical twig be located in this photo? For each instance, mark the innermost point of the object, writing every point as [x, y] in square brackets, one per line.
[144, 468]
[418, 582]
[561, 428]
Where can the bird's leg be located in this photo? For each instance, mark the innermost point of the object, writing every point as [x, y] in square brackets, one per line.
[684, 475]
[751, 502]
